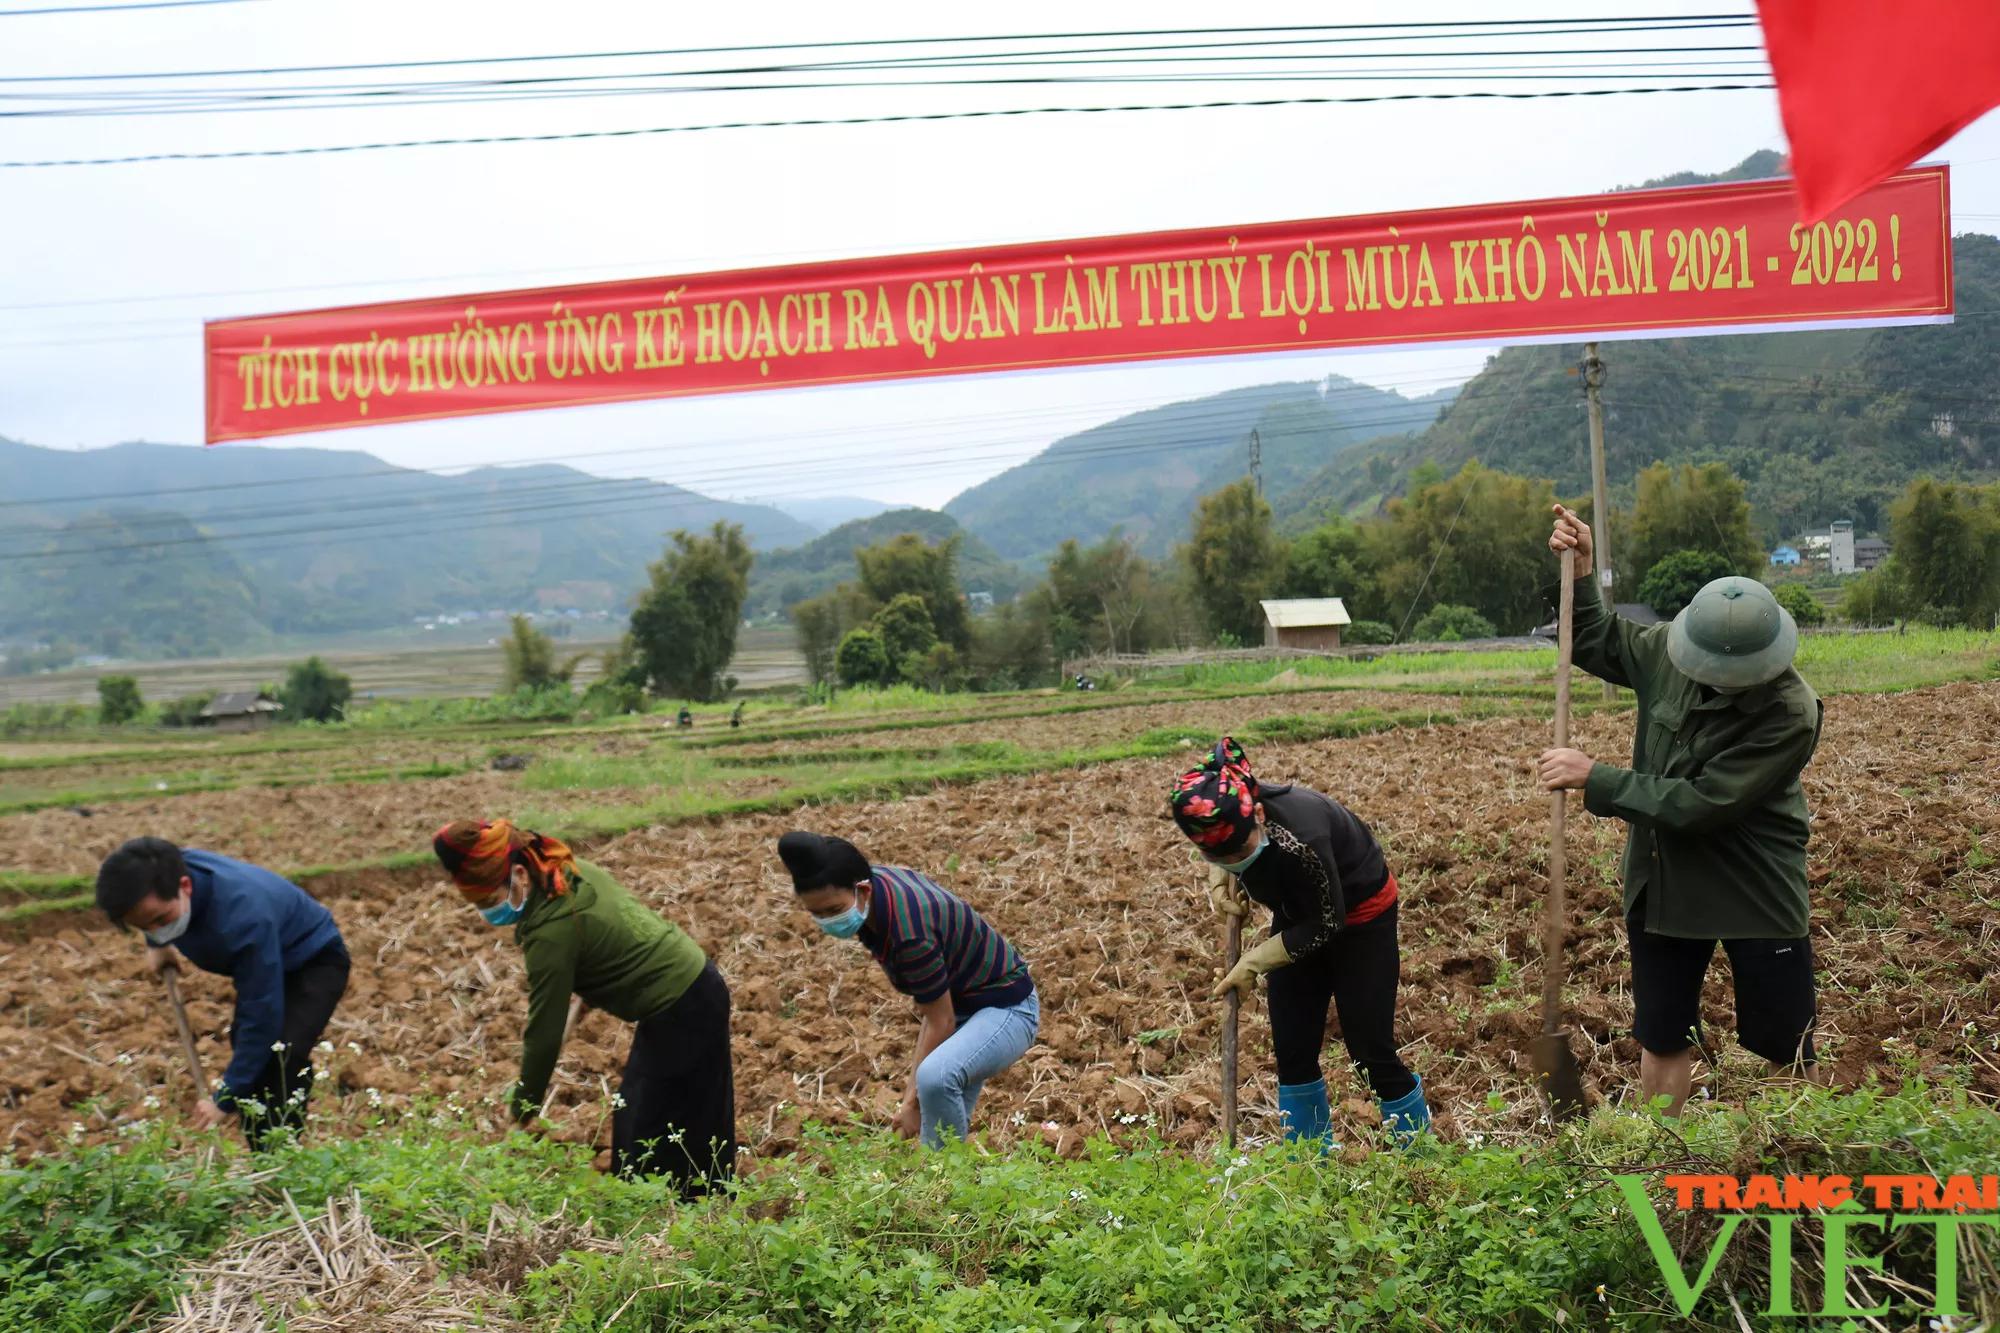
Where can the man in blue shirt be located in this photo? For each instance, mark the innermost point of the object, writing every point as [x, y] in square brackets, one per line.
[263, 932]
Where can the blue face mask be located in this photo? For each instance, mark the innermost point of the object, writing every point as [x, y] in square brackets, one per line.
[1237, 868]
[846, 925]
[501, 914]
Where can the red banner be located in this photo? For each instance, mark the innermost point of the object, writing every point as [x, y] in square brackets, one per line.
[1654, 263]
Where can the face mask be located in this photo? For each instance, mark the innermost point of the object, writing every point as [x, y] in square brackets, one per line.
[501, 914]
[172, 931]
[847, 924]
[1237, 868]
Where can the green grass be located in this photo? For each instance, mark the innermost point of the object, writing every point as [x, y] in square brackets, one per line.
[1833, 663]
[857, 1231]
[180, 785]
[696, 789]
[1879, 663]
[1432, 670]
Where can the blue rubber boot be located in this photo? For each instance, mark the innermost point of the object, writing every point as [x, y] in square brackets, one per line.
[1303, 1108]
[1407, 1116]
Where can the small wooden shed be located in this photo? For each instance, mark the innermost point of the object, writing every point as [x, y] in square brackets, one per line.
[241, 710]
[1304, 622]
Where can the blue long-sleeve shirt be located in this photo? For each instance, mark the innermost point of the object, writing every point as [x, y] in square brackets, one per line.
[251, 926]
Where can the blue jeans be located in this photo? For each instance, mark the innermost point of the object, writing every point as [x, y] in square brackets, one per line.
[949, 1079]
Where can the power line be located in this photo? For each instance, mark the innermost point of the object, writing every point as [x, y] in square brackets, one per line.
[1485, 27]
[404, 100]
[430, 507]
[114, 9]
[891, 119]
[1818, 385]
[928, 427]
[907, 461]
[509, 506]
[1096, 57]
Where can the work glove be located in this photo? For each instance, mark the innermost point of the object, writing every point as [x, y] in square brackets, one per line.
[1266, 957]
[1224, 894]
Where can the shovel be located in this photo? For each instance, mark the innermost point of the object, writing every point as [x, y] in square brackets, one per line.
[171, 976]
[1556, 1071]
[1232, 1005]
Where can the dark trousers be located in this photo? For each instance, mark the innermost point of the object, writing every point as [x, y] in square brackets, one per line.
[285, 1084]
[1357, 974]
[679, 1112]
[1776, 998]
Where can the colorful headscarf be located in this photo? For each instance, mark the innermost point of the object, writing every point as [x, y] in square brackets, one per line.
[1216, 804]
[479, 854]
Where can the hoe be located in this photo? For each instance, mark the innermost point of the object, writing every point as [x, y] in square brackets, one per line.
[1556, 1072]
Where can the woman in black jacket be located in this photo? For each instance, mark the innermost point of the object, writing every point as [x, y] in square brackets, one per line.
[1333, 931]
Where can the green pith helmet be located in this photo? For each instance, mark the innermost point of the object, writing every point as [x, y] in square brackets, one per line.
[1733, 635]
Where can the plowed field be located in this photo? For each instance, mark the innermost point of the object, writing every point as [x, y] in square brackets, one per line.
[1083, 872]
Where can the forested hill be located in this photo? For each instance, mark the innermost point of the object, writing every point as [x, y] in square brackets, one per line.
[1142, 473]
[194, 551]
[781, 579]
[1819, 425]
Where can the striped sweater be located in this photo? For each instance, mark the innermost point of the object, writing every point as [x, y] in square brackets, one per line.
[932, 944]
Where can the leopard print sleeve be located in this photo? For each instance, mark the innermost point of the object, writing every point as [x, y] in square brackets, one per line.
[1310, 900]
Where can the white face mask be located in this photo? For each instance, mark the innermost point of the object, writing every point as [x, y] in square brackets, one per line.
[170, 932]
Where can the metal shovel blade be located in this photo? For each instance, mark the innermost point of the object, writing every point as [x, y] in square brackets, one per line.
[1558, 1075]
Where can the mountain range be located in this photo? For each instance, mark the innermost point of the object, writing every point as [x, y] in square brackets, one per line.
[1143, 473]
[191, 551]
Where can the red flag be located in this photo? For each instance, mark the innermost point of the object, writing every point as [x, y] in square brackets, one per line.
[1867, 87]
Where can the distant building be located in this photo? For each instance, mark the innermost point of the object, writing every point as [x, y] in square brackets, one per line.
[1785, 555]
[1870, 552]
[979, 602]
[1840, 547]
[241, 710]
[1306, 622]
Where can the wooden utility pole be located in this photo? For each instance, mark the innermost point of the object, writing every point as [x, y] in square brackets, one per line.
[1600, 500]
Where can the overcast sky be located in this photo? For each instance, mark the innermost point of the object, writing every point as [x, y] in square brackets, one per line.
[109, 271]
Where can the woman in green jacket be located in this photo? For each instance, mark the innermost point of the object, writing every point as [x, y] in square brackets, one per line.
[581, 934]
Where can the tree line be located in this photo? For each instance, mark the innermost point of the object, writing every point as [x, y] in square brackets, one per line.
[1458, 557]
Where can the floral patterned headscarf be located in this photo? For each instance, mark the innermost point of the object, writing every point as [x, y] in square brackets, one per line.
[1216, 804]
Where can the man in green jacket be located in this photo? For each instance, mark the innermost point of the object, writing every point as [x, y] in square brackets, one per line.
[582, 934]
[1718, 824]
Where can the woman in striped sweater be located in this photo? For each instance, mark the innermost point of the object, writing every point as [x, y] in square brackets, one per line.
[976, 1004]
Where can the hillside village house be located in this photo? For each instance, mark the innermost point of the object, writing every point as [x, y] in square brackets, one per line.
[241, 710]
[1306, 622]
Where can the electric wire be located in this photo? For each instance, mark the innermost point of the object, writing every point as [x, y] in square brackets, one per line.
[539, 505]
[1415, 32]
[904, 118]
